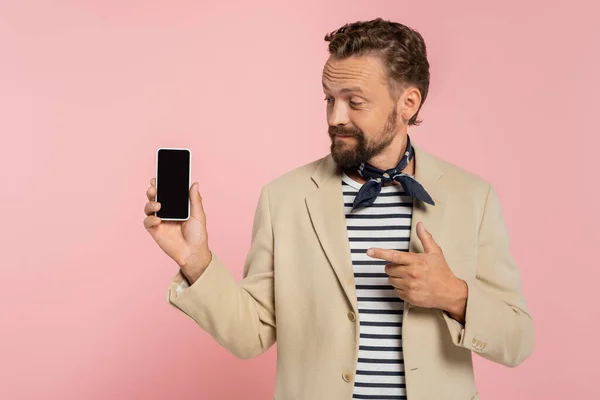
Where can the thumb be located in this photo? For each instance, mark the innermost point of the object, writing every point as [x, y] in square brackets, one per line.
[429, 245]
[197, 209]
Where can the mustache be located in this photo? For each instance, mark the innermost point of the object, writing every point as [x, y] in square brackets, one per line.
[340, 130]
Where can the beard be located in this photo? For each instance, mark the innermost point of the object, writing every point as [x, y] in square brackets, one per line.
[348, 155]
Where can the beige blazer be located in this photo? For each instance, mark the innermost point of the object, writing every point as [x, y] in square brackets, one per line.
[298, 287]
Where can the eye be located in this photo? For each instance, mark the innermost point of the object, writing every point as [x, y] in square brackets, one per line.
[355, 103]
[329, 99]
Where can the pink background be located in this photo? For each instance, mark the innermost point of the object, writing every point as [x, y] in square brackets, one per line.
[89, 90]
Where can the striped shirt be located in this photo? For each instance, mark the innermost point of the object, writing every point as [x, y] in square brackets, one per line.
[385, 224]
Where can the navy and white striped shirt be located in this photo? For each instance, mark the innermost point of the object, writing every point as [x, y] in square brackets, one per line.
[385, 224]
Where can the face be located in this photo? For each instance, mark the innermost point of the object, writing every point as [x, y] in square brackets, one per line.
[361, 113]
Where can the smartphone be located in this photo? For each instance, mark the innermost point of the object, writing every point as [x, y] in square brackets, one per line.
[173, 181]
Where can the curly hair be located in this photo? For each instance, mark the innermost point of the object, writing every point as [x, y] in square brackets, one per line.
[401, 48]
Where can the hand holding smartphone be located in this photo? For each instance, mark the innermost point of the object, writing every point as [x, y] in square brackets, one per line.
[175, 216]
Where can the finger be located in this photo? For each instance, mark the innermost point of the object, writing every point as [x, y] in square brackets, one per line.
[397, 270]
[153, 182]
[151, 220]
[151, 193]
[426, 238]
[197, 210]
[401, 293]
[151, 207]
[393, 256]
[398, 283]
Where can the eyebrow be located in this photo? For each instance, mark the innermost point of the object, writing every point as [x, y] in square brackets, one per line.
[346, 90]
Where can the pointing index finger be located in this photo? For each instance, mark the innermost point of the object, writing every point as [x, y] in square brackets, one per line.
[393, 256]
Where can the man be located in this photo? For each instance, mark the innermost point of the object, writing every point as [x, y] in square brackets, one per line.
[379, 268]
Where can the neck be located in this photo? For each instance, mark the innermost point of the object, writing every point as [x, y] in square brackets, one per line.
[387, 159]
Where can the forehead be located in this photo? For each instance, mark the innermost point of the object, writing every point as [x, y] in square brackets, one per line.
[366, 72]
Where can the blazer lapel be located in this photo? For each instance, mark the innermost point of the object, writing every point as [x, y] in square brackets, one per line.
[326, 210]
[430, 176]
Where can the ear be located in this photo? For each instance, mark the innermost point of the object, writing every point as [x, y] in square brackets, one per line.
[409, 102]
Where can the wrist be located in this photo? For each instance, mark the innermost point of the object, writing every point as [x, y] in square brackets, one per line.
[457, 303]
[195, 265]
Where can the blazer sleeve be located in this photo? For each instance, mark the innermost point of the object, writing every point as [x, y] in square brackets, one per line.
[498, 325]
[239, 316]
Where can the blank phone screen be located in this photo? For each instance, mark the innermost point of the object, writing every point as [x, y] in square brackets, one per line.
[173, 183]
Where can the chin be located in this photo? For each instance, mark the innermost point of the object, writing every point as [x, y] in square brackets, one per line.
[344, 154]
[345, 159]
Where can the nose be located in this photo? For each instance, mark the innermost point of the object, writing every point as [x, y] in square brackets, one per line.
[337, 114]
